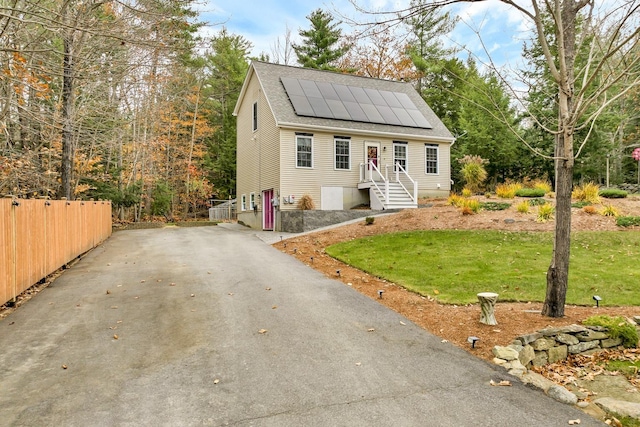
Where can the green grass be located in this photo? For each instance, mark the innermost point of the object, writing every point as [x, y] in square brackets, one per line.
[458, 264]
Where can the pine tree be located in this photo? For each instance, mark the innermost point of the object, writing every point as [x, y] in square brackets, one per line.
[318, 47]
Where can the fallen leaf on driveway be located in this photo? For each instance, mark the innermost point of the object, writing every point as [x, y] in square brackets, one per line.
[114, 307]
[358, 363]
[402, 323]
[64, 366]
[262, 331]
[142, 281]
[216, 381]
[267, 289]
[501, 383]
[574, 422]
[115, 337]
[370, 330]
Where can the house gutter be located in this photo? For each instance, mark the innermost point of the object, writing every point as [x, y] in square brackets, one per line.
[298, 126]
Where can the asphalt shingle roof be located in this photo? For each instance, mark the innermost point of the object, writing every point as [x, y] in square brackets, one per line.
[269, 77]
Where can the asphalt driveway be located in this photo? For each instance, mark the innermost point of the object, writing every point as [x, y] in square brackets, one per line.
[213, 327]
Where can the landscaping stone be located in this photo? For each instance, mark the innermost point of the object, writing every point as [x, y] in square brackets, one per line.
[567, 339]
[571, 329]
[516, 347]
[557, 354]
[541, 358]
[610, 342]
[542, 344]
[505, 353]
[583, 346]
[526, 355]
[498, 361]
[590, 335]
[561, 394]
[537, 380]
[620, 407]
[529, 338]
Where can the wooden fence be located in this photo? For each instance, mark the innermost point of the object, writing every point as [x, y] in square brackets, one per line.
[37, 237]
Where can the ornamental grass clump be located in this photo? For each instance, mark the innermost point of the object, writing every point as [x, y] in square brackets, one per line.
[306, 203]
[473, 172]
[542, 185]
[470, 207]
[530, 192]
[610, 210]
[466, 192]
[523, 207]
[545, 212]
[508, 191]
[455, 200]
[589, 209]
[587, 192]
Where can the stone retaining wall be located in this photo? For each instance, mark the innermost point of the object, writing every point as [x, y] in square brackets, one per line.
[554, 344]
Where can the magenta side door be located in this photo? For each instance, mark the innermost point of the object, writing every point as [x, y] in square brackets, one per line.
[268, 210]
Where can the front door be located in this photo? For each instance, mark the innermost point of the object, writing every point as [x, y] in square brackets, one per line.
[372, 154]
[268, 210]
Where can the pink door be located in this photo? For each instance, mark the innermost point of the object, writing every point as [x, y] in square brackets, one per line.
[372, 155]
[268, 210]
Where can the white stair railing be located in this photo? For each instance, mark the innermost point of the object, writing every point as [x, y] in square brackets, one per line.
[400, 172]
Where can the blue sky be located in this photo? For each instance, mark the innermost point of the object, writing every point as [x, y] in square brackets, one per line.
[261, 23]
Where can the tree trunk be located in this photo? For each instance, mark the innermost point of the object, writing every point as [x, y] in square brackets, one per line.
[66, 168]
[558, 272]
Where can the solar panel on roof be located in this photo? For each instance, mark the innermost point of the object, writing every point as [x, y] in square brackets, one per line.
[337, 101]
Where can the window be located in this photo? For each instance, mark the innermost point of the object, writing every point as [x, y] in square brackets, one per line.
[252, 201]
[400, 154]
[342, 150]
[431, 158]
[243, 202]
[304, 146]
[255, 116]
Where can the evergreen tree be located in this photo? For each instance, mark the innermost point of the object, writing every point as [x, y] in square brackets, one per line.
[226, 64]
[318, 49]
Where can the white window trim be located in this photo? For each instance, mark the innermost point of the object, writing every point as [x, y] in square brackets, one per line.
[406, 157]
[252, 201]
[437, 148]
[296, 151]
[335, 154]
[243, 202]
[254, 116]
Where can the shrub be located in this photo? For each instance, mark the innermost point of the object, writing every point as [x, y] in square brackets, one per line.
[523, 206]
[537, 201]
[610, 211]
[507, 191]
[587, 192]
[580, 205]
[545, 212]
[530, 192]
[494, 206]
[306, 203]
[628, 221]
[369, 220]
[612, 193]
[466, 192]
[618, 328]
[590, 209]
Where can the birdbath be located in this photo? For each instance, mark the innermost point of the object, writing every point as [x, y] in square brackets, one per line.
[487, 303]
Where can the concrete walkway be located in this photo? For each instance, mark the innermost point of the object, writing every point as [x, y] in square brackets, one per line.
[212, 327]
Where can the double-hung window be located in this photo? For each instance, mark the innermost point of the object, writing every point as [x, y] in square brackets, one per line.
[400, 155]
[252, 201]
[304, 150]
[431, 158]
[243, 203]
[342, 152]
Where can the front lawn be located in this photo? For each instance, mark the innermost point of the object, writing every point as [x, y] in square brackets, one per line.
[455, 265]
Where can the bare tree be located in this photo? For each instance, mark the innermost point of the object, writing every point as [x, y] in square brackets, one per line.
[583, 91]
[282, 50]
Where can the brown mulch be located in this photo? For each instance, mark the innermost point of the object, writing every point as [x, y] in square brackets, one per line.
[450, 322]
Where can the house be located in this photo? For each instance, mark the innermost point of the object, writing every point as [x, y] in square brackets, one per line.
[341, 139]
